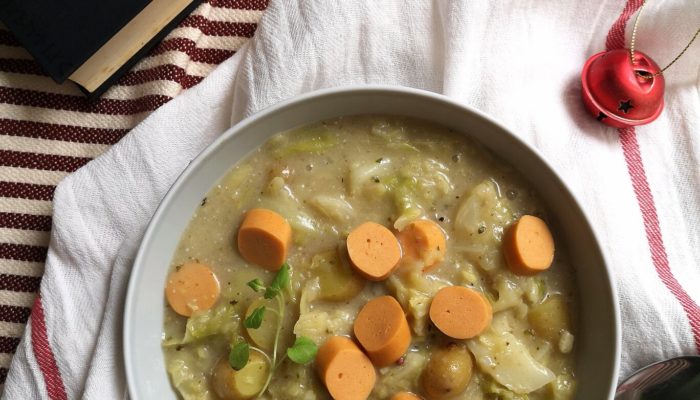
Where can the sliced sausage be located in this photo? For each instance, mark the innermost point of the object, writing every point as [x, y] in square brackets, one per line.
[460, 312]
[263, 238]
[345, 370]
[382, 330]
[374, 251]
[192, 287]
[528, 246]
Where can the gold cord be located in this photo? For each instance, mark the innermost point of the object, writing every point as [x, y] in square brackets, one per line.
[634, 38]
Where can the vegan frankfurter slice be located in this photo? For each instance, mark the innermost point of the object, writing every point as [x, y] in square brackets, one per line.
[528, 246]
[423, 240]
[374, 251]
[382, 330]
[345, 370]
[263, 238]
[192, 287]
[460, 312]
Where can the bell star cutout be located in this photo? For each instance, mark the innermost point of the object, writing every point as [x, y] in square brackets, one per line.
[622, 93]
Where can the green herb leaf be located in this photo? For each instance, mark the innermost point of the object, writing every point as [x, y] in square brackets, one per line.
[256, 284]
[255, 318]
[303, 351]
[238, 357]
[270, 293]
[280, 281]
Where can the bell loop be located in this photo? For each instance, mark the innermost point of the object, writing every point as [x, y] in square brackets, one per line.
[644, 76]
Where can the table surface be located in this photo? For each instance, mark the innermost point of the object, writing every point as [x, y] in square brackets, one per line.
[48, 131]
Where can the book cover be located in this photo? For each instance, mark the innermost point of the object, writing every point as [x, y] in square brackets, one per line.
[62, 34]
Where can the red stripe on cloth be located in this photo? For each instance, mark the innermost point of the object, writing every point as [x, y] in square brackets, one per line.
[167, 72]
[46, 162]
[240, 4]
[23, 252]
[616, 34]
[44, 355]
[21, 66]
[645, 199]
[219, 28]
[66, 133]
[26, 191]
[8, 345]
[16, 314]
[19, 283]
[24, 97]
[8, 39]
[25, 221]
[189, 47]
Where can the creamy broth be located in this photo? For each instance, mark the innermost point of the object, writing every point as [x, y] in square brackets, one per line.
[328, 178]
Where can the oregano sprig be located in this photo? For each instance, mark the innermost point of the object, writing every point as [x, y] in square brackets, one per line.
[302, 351]
[239, 355]
[255, 318]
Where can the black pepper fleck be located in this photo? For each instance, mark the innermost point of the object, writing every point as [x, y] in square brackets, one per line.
[441, 219]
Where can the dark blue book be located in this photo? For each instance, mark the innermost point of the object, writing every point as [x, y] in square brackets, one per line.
[91, 42]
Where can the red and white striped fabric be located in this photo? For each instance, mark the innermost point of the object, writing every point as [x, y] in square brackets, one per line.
[48, 131]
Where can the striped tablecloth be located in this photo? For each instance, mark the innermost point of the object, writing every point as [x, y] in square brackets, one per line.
[48, 131]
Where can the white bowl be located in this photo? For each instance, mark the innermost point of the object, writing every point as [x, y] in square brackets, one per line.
[598, 338]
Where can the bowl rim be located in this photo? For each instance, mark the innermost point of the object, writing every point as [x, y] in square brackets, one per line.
[138, 264]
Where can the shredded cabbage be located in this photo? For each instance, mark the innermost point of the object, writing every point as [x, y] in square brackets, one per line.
[482, 211]
[507, 360]
[314, 139]
[319, 325]
[509, 293]
[479, 224]
[220, 320]
[363, 174]
[563, 387]
[190, 384]
[395, 379]
[333, 207]
[492, 387]
[280, 198]
[392, 133]
[414, 291]
[235, 184]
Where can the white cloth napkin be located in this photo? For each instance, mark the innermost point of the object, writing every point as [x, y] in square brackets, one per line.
[518, 61]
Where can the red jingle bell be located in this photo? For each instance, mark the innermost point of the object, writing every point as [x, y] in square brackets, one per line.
[619, 93]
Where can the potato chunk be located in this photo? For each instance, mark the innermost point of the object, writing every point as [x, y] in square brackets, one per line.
[337, 282]
[244, 384]
[264, 336]
[550, 318]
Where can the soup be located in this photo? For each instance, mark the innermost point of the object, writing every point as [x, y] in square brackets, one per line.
[370, 257]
